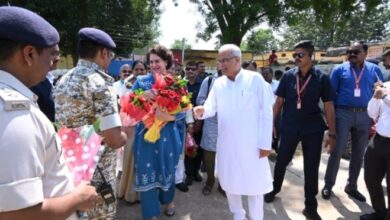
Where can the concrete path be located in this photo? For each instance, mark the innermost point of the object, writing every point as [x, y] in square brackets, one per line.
[288, 204]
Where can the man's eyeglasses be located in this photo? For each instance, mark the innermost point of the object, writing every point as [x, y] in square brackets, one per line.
[224, 60]
[298, 55]
[189, 68]
[111, 55]
[353, 52]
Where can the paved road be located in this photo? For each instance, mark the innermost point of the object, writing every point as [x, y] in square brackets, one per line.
[287, 205]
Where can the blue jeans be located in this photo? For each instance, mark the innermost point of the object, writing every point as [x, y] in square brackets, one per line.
[358, 125]
[151, 199]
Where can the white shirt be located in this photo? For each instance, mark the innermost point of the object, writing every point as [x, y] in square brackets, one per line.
[120, 87]
[379, 110]
[244, 108]
[274, 85]
[31, 163]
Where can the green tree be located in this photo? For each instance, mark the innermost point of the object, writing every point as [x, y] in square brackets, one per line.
[235, 18]
[129, 22]
[370, 26]
[178, 44]
[260, 41]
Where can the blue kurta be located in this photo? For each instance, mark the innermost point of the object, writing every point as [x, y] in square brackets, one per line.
[155, 163]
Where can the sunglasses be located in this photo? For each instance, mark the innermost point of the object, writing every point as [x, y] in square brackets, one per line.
[353, 52]
[298, 55]
[189, 68]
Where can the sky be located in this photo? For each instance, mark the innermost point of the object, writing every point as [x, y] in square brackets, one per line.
[178, 22]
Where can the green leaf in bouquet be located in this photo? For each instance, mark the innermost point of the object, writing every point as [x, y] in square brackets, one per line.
[96, 125]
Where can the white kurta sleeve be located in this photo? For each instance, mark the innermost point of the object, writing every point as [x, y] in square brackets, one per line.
[210, 106]
[266, 100]
[373, 108]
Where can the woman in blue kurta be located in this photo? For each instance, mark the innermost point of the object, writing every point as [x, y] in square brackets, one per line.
[155, 163]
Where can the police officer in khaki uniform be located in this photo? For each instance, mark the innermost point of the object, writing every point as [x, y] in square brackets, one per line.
[34, 181]
[85, 97]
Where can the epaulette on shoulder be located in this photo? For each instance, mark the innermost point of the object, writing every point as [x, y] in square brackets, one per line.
[13, 100]
[105, 76]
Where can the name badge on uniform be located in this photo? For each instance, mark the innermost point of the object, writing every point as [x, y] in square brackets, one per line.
[357, 92]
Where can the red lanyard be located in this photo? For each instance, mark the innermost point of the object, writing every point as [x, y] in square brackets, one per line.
[357, 79]
[300, 90]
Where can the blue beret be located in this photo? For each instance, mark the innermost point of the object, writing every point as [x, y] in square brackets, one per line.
[97, 36]
[24, 26]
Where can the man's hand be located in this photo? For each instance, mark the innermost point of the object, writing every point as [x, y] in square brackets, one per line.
[198, 112]
[330, 144]
[379, 92]
[264, 153]
[87, 195]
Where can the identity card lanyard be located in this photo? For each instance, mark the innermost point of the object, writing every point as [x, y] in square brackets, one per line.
[357, 91]
[300, 90]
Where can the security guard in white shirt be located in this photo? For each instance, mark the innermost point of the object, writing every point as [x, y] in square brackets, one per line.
[34, 181]
[377, 157]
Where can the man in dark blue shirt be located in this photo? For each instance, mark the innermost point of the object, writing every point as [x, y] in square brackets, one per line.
[192, 164]
[354, 82]
[298, 94]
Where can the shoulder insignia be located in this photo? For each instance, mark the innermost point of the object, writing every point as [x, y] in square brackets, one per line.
[14, 101]
[96, 80]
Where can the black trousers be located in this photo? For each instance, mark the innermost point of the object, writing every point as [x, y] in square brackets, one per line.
[311, 146]
[192, 164]
[376, 167]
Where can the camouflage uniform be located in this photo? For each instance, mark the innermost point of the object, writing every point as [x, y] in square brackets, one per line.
[82, 96]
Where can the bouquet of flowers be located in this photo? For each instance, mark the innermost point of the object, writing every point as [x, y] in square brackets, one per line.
[82, 147]
[171, 96]
[134, 107]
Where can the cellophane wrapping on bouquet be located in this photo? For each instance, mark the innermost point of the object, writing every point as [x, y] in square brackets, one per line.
[82, 148]
[171, 96]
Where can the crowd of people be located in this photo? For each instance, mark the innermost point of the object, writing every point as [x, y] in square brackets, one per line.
[239, 115]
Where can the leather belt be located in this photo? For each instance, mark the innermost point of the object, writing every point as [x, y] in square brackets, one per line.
[352, 109]
[382, 138]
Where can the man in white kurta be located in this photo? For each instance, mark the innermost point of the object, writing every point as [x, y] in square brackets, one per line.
[243, 101]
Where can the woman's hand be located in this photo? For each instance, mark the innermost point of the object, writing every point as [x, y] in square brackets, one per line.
[163, 115]
[150, 95]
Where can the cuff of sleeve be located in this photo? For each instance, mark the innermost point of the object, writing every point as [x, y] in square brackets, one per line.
[110, 121]
[21, 194]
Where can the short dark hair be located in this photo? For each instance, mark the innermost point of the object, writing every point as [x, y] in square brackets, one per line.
[163, 53]
[247, 63]
[268, 68]
[88, 49]
[192, 63]
[278, 74]
[307, 45]
[363, 43]
[138, 62]
[8, 48]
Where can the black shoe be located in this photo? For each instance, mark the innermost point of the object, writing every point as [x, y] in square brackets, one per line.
[269, 197]
[182, 187]
[326, 193]
[198, 177]
[311, 215]
[354, 193]
[371, 216]
[188, 181]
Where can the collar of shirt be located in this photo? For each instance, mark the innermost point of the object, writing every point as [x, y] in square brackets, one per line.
[8, 79]
[298, 71]
[96, 67]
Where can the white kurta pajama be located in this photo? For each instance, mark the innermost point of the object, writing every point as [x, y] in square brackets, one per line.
[244, 108]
